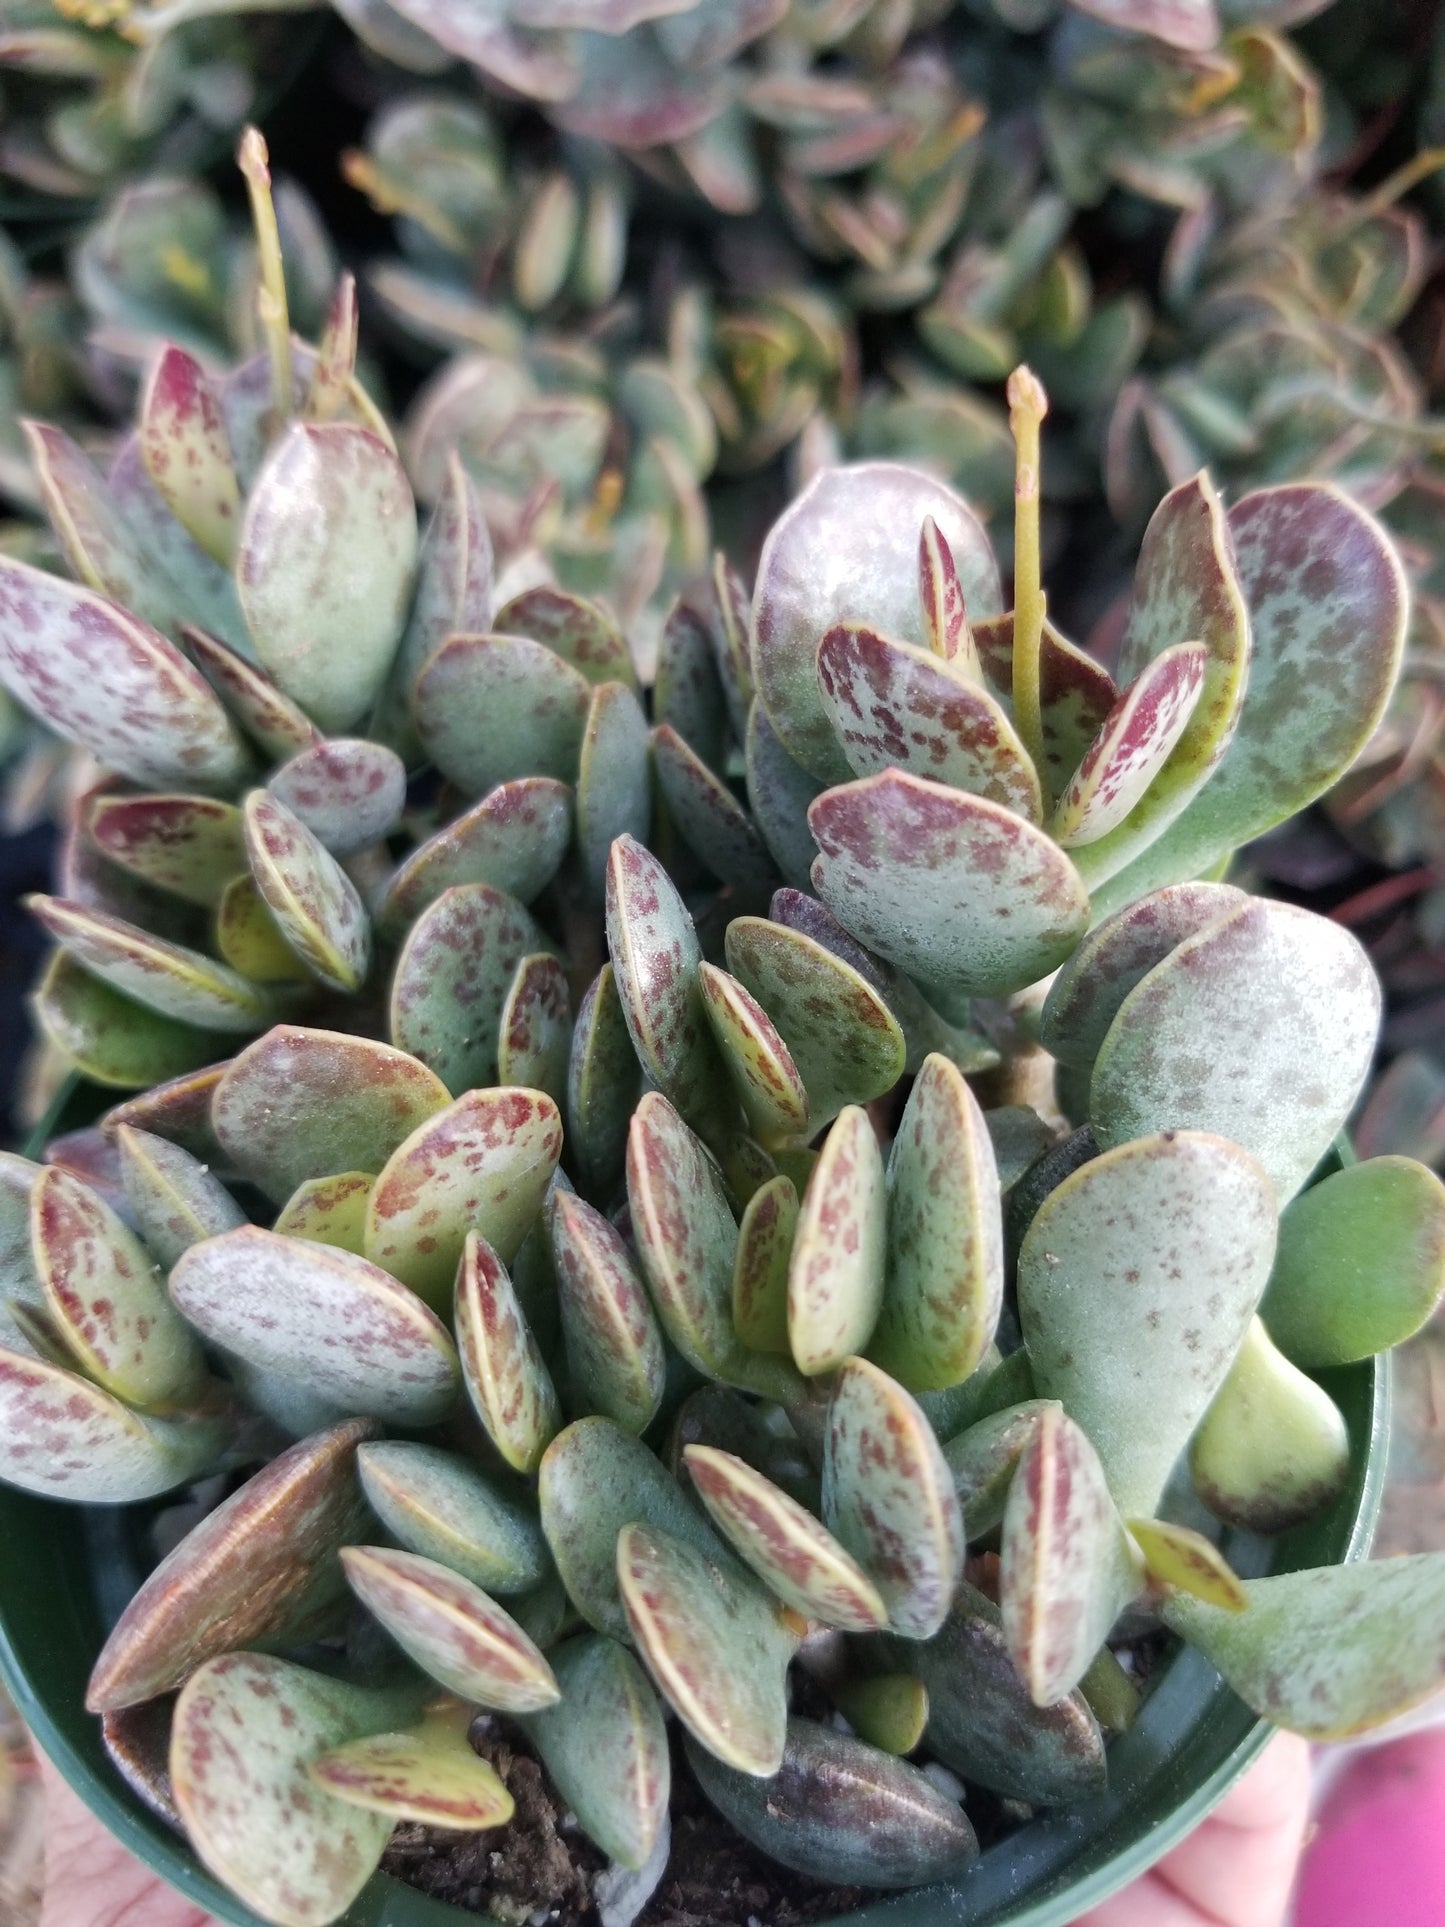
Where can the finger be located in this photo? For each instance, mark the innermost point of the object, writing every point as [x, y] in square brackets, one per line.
[90, 1879]
[1239, 1868]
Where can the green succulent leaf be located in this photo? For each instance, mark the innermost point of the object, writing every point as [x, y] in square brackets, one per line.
[316, 906]
[614, 1344]
[175, 1199]
[164, 977]
[779, 793]
[836, 1271]
[270, 719]
[452, 978]
[614, 785]
[507, 1381]
[714, 825]
[757, 1060]
[430, 1775]
[1076, 693]
[1185, 1561]
[514, 840]
[575, 629]
[187, 452]
[178, 1108]
[888, 1710]
[453, 592]
[348, 792]
[945, 610]
[603, 1080]
[760, 1266]
[191, 846]
[983, 1458]
[250, 939]
[489, 708]
[1134, 742]
[687, 695]
[440, 1506]
[534, 1036]
[329, 1211]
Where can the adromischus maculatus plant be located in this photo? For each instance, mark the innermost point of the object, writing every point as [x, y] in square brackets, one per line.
[693, 1316]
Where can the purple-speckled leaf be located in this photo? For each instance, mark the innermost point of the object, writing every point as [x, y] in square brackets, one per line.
[945, 1237]
[1331, 1652]
[102, 678]
[1084, 998]
[982, 1723]
[687, 1241]
[250, 939]
[897, 706]
[846, 551]
[348, 793]
[329, 1211]
[835, 1274]
[18, 1282]
[959, 892]
[429, 1776]
[687, 695]
[603, 1080]
[442, 1507]
[191, 846]
[483, 1164]
[1261, 1028]
[1068, 1567]
[714, 825]
[106, 1300]
[246, 1727]
[615, 1356]
[760, 1268]
[261, 1569]
[946, 627]
[502, 1367]
[655, 957]
[489, 708]
[780, 791]
[839, 1809]
[1075, 693]
[1134, 742]
[1137, 1281]
[716, 1644]
[614, 781]
[791, 1552]
[534, 1036]
[452, 979]
[179, 1109]
[324, 567]
[451, 1629]
[1327, 604]
[187, 452]
[514, 839]
[164, 977]
[174, 1198]
[271, 720]
[315, 904]
[207, 589]
[608, 1712]
[763, 1073]
[578, 631]
[888, 1495]
[109, 1037]
[90, 1154]
[1185, 1561]
[65, 1438]
[594, 1480]
[982, 1459]
[324, 1319]
[841, 1036]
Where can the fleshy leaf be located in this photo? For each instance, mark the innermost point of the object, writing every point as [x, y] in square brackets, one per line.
[1329, 1652]
[945, 1237]
[983, 1458]
[1137, 1281]
[514, 839]
[453, 590]
[322, 1319]
[442, 1507]
[1185, 1561]
[1135, 741]
[614, 782]
[757, 1060]
[502, 1366]
[108, 1036]
[945, 613]
[580, 632]
[106, 680]
[348, 792]
[793, 1555]
[841, 1810]
[846, 550]
[270, 719]
[1075, 692]
[1272, 1450]
[165, 977]
[760, 1266]
[452, 979]
[687, 695]
[483, 1164]
[835, 1274]
[187, 452]
[175, 1199]
[1068, 1566]
[178, 1109]
[535, 1033]
[137, 1742]
[614, 1345]
[888, 1496]
[780, 791]
[687, 1241]
[1361, 1263]
[250, 939]
[324, 567]
[190, 845]
[608, 1712]
[298, 1104]
[315, 904]
[103, 1293]
[732, 644]
[715, 1643]
[603, 1080]
[1261, 1028]
[714, 825]
[595, 1479]
[329, 1211]
[960, 893]
[451, 1629]
[982, 1723]
[888, 1710]
[840, 1034]
[490, 708]
[261, 1568]
[429, 1776]
[897, 706]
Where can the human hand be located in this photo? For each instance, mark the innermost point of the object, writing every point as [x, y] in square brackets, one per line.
[90, 1879]
[1236, 1870]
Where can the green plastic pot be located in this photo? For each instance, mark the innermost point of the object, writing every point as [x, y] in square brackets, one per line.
[66, 1572]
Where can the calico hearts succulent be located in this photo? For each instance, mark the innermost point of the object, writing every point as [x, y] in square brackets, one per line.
[575, 1163]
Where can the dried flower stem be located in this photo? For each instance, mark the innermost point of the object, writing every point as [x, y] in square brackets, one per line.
[1028, 404]
[271, 309]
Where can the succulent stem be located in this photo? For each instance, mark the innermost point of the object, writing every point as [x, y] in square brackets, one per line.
[271, 308]
[1028, 404]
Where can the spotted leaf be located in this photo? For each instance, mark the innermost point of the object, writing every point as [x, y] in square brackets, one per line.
[329, 1211]
[502, 1367]
[687, 695]
[165, 977]
[270, 719]
[453, 591]
[452, 979]
[760, 1267]
[191, 846]
[603, 1080]
[1185, 1561]
[1075, 692]
[429, 1775]
[835, 1273]
[178, 1109]
[187, 452]
[535, 1033]
[1134, 742]
[315, 904]
[615, 1354]
[984, 1457]
[347, 792]
[442, 1507]
[714, 825]
[514, 840]
[490, 708]
[757, 1060]
[580, 632]
[174, 1197]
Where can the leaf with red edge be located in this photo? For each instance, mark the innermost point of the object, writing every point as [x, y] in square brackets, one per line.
[760, 1268]
[835, 1273]
[490, 708]
[502, 1366]
[483, 1164]
[757, 1060]
[452, 978]
[189, 845]
[945, 613]
[166, 977]
[175, 1198]
[615, 1358]
[178, 1109]
[535, 1033]
[429, 1776]
[329, 1211]
[315, 904]
[262, 1568]
[577, 630]
[514, 839]
[713, 824]
[1075, 692]
[1192, 25]
[349, 793]
[271, 720]
[187, 452]
[1133, 744]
